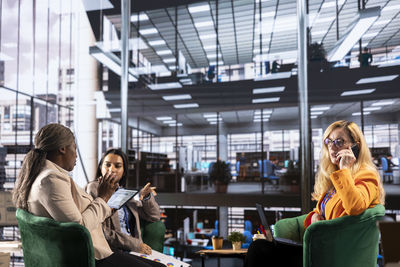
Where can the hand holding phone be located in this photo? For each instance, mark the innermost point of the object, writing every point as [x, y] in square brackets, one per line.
[355, 150]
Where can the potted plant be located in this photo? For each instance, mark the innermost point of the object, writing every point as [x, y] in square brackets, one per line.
[220, 175]
[317, 57]
[237, 238]
[217, 242]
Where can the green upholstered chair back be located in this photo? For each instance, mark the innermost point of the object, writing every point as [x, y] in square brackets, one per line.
[48, 243]
[346, 241]
[153, 234]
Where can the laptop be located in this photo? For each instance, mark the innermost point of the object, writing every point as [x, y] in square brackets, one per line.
[267, 230]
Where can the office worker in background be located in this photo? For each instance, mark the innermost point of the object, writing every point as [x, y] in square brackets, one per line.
[365, 58]
[122, 229]
[44, 188]
[347, 183]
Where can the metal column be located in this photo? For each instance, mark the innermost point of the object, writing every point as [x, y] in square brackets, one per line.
[303, 105]
[125, 31]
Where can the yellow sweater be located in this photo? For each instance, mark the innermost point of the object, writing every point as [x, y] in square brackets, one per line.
[352, 197]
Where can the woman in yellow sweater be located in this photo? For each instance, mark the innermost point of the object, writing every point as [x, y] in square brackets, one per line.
[347, 183]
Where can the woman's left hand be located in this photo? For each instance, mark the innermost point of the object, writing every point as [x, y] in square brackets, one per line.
[147, 189]
[346, 158]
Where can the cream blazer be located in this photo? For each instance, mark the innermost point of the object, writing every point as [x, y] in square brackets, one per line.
[55, 195]
[147, 210]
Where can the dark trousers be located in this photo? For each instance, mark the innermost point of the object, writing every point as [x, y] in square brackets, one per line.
[120, 259]
[264, 253]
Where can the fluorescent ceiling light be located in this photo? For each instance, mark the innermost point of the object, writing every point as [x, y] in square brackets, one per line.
[142, 17]
[354, 32]
[164, 118]
[214, 119]
[162, 86]
[372, 108]
[317, 108]
[358, 92]
[148, 31]
[164, 52]
[204, 24]
[377, 79]
[177, 97]
[313, 117]
[359, 113]
[186, 80]
[213, 63]
[189, 105]
[169, 121]
[266, 111]
[213, 122]
[383, 103]
[175, 124]
[208, 36]
[268, 90]
[172, 68]
[209, 115]
[317, 112]
[195, 9]
[157, 42]
[114, 109]
[213, 55]
[258, 117]
[265, 100]
[169, 60]
[259, 120]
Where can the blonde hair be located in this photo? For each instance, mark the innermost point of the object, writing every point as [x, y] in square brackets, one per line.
[323, 182]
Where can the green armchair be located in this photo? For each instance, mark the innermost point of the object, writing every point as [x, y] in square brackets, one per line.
[346, 241]
[153, 234]
[48, 243]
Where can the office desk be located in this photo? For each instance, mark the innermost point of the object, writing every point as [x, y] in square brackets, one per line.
[222, 253]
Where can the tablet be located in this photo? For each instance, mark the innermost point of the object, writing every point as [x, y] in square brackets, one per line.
[120, 197]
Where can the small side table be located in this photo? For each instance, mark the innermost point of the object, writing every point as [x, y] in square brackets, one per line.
[222, 253]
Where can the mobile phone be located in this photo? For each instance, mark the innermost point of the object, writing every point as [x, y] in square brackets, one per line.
[355, 150]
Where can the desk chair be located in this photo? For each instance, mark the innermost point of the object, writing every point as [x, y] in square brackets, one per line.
[346, 241]
[248, 228]
[268, 174]
[48, 243]
[386, 173]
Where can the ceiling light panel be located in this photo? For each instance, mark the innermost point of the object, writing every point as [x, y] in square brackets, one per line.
[157, 42]
[377, 79]
[265, 100]
[383, 103]
[177, 97]
[203, 24]
[372, 108]
[165, 118]
[163, 86]
[268, 90]
[198, 8]
[169, 60]
[164, 52]
[142, 17]
[318, 108]
[358, 92]
[189, 105]
[148, 31]
[359, 113]
[175, 124]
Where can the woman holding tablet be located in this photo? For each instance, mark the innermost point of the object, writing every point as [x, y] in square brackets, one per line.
[122, 229]
[44, 188]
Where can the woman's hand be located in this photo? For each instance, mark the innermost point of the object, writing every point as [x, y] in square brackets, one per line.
[107, 186]
[316, 217]
[145, 249]
[147, 189]
[346, 158]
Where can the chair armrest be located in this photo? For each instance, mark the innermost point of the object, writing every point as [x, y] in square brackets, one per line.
[345, 241]
[290, 228]
[153, 234]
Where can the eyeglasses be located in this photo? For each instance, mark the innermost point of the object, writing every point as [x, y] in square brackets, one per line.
[337, 142]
